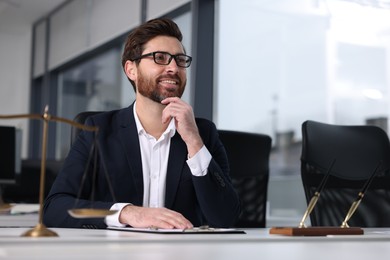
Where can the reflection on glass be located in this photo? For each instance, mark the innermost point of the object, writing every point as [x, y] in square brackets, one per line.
[319, 60]
[281, 62]
[94, 85]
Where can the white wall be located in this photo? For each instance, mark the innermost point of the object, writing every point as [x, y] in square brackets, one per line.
[15, 57]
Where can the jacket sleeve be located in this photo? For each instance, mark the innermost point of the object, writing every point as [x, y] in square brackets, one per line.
[217, 198]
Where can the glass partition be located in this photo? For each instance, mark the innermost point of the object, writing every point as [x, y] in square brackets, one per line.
[94, 85]
[282, 62]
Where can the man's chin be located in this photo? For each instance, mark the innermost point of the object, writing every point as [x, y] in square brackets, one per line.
[159, 98]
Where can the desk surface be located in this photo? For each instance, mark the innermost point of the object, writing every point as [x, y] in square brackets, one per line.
[255, 244]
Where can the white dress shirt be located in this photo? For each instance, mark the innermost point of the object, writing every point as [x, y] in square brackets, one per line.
[154, 155]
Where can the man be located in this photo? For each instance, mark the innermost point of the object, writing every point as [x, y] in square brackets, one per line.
[167, 169]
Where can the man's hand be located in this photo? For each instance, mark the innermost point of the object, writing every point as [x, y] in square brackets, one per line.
[185, 122]
[141, 217]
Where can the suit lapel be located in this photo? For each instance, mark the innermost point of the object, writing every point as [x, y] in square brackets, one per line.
[176, 161]
[129, 139]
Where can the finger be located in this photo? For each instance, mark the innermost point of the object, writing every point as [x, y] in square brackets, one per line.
[166, 117]
[169, 100]
[175, 219]
[170, 112]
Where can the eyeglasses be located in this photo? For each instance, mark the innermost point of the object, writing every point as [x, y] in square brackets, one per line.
[164, 58]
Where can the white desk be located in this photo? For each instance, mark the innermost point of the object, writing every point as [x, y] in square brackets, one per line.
[256, 244]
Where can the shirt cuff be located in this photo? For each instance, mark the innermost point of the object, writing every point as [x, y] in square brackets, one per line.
[200, 162]
[113, 220]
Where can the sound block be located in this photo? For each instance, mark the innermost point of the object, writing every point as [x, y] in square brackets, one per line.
[315, 231]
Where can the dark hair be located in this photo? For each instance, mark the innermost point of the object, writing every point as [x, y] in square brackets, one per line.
[142, 34]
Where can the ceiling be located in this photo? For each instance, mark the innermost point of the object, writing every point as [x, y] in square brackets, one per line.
[16, 14]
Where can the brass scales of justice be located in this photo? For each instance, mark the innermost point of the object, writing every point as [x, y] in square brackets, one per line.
[40, 230]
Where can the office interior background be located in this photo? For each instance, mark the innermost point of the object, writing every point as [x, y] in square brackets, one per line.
[259, 66]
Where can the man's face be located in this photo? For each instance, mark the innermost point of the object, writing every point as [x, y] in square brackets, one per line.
[158, 82]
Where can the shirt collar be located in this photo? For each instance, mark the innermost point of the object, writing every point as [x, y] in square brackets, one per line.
[169, 132]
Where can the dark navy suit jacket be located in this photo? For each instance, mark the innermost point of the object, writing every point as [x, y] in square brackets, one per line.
[209, 199]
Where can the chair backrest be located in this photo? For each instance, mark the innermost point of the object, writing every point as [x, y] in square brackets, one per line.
[357, 151]
[248, 155]
[80, 118]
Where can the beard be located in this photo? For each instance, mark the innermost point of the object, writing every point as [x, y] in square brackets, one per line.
[151, 88]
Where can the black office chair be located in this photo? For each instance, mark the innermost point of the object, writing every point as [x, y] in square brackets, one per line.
[26, 190]
[248, 155]
[357, 151]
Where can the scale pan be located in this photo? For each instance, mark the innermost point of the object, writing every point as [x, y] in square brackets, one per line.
[91, 213]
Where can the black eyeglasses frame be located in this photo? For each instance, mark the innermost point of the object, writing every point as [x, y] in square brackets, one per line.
[171, 56]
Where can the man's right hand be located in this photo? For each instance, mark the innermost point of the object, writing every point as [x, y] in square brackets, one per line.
[141, 217]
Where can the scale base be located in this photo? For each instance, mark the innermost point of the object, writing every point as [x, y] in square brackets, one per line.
[40, 230]
[315, 231]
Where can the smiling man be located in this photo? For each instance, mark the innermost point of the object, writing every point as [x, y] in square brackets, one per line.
[167, 168]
